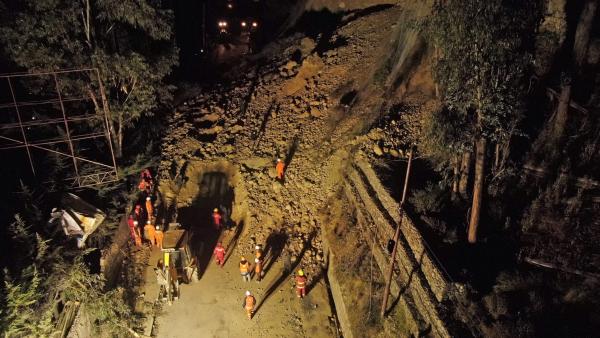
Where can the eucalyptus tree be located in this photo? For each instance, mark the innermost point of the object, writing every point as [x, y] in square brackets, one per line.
[480, 65]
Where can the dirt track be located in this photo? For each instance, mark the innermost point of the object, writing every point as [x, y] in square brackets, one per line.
[212, 307]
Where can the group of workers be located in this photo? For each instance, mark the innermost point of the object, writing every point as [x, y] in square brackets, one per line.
[154, 236]
[149, 232]
[246, 269]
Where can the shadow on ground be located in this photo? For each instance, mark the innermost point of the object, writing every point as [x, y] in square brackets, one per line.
[215, 192]
[285, 273]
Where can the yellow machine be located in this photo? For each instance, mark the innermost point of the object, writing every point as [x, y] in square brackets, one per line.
[179, 263]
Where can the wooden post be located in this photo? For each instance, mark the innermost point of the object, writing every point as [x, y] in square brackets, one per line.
[386, 291]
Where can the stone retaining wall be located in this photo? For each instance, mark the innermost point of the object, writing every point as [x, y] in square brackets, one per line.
[417, 278]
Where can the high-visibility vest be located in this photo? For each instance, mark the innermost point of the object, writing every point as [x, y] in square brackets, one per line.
[250, 302]
[244, 267]
[300, 282]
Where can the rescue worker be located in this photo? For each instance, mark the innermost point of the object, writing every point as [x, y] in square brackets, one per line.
[219, 253]
[300, 284]
[249, 304]
[131, 224]
[280, 168]
[138, 235]
[149, 209]
[146, 181]
[138, 213]
[258, 269]
[259, 251]
[216, 217]
[150, 233]
[245, 269]
[158, 237]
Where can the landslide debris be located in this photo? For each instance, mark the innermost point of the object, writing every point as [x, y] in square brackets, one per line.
[287, 107]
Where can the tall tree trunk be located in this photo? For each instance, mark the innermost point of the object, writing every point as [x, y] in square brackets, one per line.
[580, 48]
[477, 188]
[455, 176]
[562, 112]
[465, 171]
[119, 146]
[582, 34]
[497, 157]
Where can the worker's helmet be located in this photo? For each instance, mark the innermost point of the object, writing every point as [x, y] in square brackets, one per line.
[278, 160]
[257, 247]
[300, 272]
[256, 260]
[216, 210]
[157, 227]
[135, 222]
[248, 293]
[148, 198]
[242, 258]
[138, 206]
[148, 222]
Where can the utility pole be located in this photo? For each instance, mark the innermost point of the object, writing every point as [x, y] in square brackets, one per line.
[386, 291]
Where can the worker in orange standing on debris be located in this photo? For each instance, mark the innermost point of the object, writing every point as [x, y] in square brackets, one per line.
[138, 213]
[219, 253]
[150, 233]
[258, 268]
[280, 167]
[301, 284]
[245, 269]
[149, 209]
[249, 304]
[259, 251]
[146, 181]
[138, 235]
[216, 217]
[158, 237]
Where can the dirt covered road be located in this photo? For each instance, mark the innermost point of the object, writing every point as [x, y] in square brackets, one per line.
[212, 307]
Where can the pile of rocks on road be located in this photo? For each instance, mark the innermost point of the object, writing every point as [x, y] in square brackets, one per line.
[281, 109]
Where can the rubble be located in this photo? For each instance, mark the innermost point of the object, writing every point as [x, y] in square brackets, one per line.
[282, 109]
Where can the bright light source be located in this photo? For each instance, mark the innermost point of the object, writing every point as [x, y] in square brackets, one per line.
[243, 23]
[230, 6]
[222, 24]
[255, 24]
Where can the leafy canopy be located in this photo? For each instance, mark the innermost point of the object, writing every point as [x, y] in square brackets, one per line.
[481, 60]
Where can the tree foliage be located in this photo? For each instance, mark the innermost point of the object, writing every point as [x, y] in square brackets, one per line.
[49, 272]
[128, 41]
[481, 61]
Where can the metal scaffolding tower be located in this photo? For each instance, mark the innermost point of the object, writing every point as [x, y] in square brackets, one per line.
[66, 120]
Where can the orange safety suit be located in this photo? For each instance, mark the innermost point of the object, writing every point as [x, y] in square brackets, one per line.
[245, 270]
[150, 233]
[149, 210]
[258, 268]
[249, 304]
[301, 286]
[138, 237]
[280, 169]
[158, 236]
